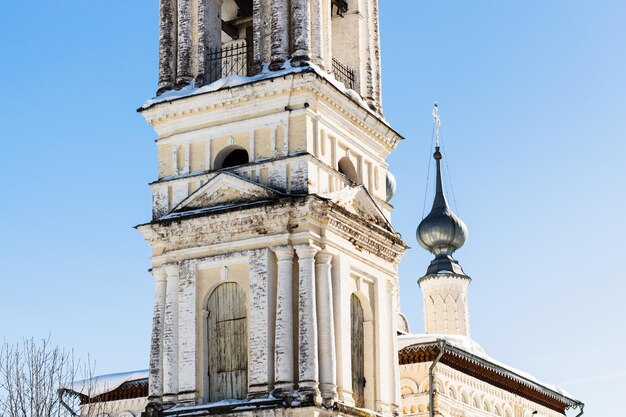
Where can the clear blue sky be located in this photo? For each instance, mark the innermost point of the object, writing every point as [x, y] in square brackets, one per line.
[533, 101]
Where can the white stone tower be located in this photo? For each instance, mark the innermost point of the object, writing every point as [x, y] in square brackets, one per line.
[444, 286]
[274, 258]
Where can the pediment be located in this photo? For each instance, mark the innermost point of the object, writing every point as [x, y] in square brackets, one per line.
[225, 189]
[358, 201]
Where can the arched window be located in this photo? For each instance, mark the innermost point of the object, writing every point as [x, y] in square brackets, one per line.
[231, 156]
[346, 167]
[358, 351]
[227, 338]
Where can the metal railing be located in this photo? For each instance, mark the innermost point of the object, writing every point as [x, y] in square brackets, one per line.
[344, 74]
[234, 59]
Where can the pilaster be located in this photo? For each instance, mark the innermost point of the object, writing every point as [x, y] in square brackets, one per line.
[170, 335]
[156, 346]
[187, 333]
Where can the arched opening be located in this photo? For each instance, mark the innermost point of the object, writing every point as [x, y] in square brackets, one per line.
[231, 156]
[236, 157]
[357, 337]
[346, 167]
[227, 339]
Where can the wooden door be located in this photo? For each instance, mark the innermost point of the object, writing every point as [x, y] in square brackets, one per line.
[227, 343]
[358, 352]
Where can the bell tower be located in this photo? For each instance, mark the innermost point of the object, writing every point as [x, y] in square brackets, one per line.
[341, 37]
[273, 254]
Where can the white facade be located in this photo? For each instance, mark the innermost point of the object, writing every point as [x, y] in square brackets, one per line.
[273, 254]
[302, 226]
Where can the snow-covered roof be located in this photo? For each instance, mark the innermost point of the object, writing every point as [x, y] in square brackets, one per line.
[103, 384]
[473, 349]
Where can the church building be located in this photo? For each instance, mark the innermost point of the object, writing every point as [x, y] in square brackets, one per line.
[273, 252]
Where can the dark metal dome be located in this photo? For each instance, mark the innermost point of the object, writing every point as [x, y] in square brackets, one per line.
[390, 183]
[442, 232]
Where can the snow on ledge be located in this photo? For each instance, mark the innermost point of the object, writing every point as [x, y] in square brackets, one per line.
[468, 345]
[265, 74]
[102, 384]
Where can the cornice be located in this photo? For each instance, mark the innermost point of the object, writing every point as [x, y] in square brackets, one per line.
[286, 85]
[275, 217]
[487, 371]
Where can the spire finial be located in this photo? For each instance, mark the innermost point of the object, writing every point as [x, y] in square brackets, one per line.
[437, 123]
[441, 232]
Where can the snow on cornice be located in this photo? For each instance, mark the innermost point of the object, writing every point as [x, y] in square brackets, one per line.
[470, 348]
[98, 385]
[238, 80]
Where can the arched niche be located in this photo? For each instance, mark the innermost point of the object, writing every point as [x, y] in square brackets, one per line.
[231, 156]
[408, 386]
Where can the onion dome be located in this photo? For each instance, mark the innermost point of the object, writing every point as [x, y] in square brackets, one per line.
[442, 232]
[391, 185]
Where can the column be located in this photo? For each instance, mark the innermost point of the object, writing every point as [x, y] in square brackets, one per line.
[156, 346]
[300, 16]
[376, 103]
[187, 333]
[284, 322]
[209, 39]
[259, 332]
[341, 303]
[321, 28]
[280, 34]
[317, 38]
[184, 73]
[167, 46]
[325, 329]
[170, 335]
[257, 35]
[307, 324]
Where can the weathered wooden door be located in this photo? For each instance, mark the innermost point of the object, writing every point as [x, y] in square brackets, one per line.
[227, 343]
[358, 352]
